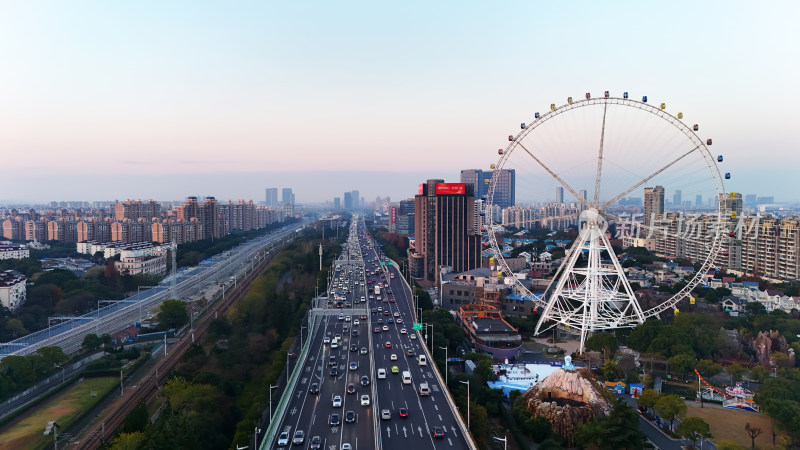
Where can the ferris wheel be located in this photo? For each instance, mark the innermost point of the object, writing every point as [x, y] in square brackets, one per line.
[594, 170]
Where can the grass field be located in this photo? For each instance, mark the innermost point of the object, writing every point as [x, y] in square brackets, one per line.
[65, 408]
[728, 424]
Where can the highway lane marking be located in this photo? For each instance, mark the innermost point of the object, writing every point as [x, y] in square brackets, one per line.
[436, 407]
[440, 418]
[451, 442]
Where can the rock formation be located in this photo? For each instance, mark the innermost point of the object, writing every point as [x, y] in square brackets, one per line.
[767, 342]
[566, 399]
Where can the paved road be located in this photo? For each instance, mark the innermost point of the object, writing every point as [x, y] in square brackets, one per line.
[69, 335]
[311, 412]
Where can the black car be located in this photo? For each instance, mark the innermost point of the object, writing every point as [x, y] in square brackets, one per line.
[349, 417]
[355, 333]
[334, 371]
[353, 348]
[351, 388]
[332, 361]
[314, 389]
[364, 380]
[334, 422]
[316, 443]
[402, 412]
[410, 353]
[438, 432]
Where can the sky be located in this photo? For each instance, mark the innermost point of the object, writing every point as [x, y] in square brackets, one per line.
[108, 100]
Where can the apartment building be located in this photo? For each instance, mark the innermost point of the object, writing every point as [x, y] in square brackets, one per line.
[10, 251]
[12, 289]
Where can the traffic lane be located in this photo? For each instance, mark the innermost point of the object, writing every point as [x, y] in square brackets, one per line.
[329, 387]
[302, 401]
[436, 408]
[395, 394]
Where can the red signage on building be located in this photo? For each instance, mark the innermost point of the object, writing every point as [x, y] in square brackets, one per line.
[450, 188]
[393, 214]
[421, 189]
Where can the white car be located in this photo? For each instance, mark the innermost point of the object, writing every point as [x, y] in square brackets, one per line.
[393, 357]
[337, 401]
[385, 328]
[347, 446]
[283, 439]
[402, 331]
[413, 336]
[356, 322]
[365, 400]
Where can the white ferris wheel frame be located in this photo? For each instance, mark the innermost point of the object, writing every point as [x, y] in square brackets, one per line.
[698, 146]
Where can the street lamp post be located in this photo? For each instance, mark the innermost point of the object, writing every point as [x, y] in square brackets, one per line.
[288, 355]
[504, 439]
[270, 402]
[467, 383]
[445, 365]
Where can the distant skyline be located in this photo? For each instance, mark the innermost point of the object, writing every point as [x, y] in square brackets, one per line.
[116, 100]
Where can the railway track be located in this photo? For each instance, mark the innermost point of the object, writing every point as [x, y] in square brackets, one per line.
[147, 390]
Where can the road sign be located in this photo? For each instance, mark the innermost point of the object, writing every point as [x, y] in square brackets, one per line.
[417, 326]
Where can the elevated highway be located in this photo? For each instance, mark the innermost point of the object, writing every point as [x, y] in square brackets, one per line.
[396, 416]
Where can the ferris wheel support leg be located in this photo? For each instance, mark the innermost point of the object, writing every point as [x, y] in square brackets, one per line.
[560, 280]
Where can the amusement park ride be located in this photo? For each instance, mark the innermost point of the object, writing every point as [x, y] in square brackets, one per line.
[733, 397]
[640, 145]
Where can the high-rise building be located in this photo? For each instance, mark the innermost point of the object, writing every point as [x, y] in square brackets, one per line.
[765, 200]
[504, 190]
[653, 203]
[348, 200]
[698, 201]
[272, 197]
[559, 194]
[405, 217]
[677, 201]
[287, 196]
[337, 203]
[136, 209]
[583, 193]
[751, 200]
[444, 229]
[209, 218]
[730, 203]
[355, 197]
